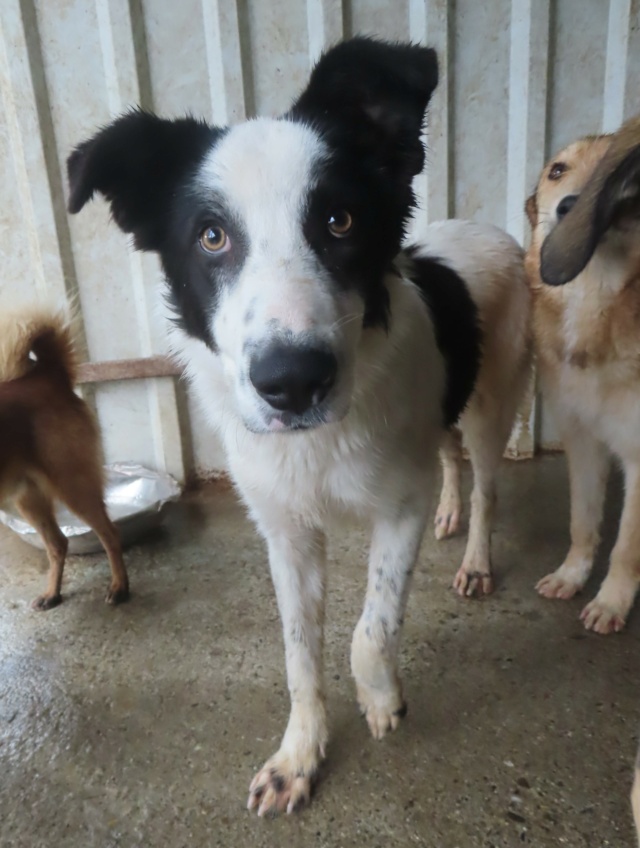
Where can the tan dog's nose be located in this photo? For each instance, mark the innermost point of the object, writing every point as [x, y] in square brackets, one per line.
[566, 205]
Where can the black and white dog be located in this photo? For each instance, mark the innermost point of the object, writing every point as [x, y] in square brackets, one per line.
[330, 362]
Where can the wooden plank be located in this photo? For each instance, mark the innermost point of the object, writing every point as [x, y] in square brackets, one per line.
[24, 129]
[324, 26]
[528, 90]
[123, 89]
[127, 369]
[224, 61]
[615, 78]
[429, 24]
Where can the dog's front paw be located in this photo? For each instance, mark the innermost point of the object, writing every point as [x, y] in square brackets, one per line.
[471, 582]
[46, 602]
[602, 618]
[382, 710]
[559, 584]
[279, 786]
[608, 611]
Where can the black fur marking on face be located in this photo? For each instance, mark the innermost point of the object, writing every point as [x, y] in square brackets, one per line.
[360, 260]
[194, 277]
[137, 163]
[457, 328]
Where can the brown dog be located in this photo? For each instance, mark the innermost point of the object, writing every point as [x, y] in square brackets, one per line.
[49, 442]
[584, 270]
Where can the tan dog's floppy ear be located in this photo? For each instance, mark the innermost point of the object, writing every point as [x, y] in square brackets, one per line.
[531, 208]
[612, 193]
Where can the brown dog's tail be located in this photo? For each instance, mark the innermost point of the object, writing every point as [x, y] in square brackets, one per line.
[36, 338]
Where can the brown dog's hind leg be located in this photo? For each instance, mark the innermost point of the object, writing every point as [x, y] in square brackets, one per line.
[447, 518]
[82, 493]
[37, 509]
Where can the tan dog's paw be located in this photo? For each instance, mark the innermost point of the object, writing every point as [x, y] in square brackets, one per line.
[473, 582]
[46, 602]
[602, 618]
[607, 612]
[280, 787]
[382, 710]
[447, 520]
[558, 585]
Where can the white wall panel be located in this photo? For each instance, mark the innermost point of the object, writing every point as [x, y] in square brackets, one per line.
[518, 79]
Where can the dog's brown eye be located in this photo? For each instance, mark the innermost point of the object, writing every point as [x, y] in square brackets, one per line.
[557, 170]
[340, 223]
[214, 240]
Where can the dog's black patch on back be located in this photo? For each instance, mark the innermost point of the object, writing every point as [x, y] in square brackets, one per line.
[457, 327]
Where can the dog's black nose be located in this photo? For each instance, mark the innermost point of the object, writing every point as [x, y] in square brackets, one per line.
[293, 379]
[566, 205]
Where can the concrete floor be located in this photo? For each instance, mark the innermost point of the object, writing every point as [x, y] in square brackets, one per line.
[143, 725]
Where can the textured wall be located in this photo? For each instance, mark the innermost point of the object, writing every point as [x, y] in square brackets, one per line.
[519, 79]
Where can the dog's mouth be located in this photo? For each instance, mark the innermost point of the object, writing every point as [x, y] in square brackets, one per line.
[289, 422]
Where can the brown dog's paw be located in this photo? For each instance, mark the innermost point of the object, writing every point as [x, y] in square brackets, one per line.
[46, 602]
[117, 595]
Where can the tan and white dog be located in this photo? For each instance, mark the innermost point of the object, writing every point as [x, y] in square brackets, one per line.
[586, 233]
[583, 267]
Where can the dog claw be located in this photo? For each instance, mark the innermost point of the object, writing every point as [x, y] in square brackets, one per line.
[46, 602]
[601, 619]
[274, 790]
[117, 596]
[472, 584]
[447, 522]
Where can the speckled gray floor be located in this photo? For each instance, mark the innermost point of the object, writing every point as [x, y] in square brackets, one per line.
[143, 725]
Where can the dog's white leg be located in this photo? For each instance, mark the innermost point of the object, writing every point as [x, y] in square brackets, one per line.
[608, 611]
[449, 510]
[588, 469]
[374, 649]
[297, 558]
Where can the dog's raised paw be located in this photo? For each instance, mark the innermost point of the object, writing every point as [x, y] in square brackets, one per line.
[46, 602]
[277, 788]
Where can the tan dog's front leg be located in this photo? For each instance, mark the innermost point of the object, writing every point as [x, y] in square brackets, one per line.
[635, 796]
[607, 612]
[588, 468]
[297, 559]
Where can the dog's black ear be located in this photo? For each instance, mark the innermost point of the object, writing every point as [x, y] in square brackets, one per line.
[611, 195]
[531, 208]
[135, 162]
[375, 95]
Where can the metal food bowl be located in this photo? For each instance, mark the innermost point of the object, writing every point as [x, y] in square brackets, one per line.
[135, 498]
